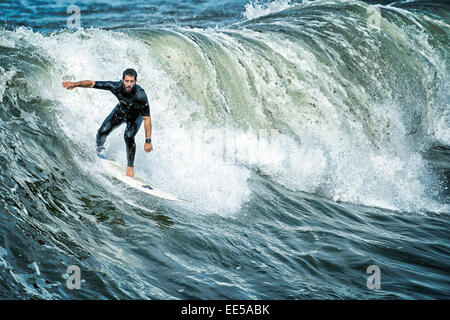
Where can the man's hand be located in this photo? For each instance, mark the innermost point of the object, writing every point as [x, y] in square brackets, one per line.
[148, 147]
[68, 85]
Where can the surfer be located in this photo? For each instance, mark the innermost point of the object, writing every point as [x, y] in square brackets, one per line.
[132, 109]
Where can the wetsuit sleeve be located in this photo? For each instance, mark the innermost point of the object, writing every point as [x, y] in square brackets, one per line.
[105, 85]
[145, 107]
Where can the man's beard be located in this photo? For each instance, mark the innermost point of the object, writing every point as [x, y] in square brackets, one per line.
[128, 89]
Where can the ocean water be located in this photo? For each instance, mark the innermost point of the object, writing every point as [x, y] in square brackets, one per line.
[310, 141]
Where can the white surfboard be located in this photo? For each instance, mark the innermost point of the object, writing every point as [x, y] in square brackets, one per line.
[138, 183]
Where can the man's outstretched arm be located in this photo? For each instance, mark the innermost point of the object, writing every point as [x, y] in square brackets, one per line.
[82, 84]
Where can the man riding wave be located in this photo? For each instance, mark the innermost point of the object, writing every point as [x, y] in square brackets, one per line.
[132, 109]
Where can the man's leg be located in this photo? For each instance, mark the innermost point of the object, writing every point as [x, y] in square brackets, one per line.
[111, 122]
[130, 132]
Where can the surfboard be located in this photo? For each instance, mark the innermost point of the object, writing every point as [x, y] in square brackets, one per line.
[138, 183]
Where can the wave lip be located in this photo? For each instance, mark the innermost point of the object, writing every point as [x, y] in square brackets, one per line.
[256, 9]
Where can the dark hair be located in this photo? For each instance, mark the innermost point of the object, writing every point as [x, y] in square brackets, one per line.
[130, 72]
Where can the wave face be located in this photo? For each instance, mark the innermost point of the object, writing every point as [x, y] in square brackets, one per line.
[305, 117]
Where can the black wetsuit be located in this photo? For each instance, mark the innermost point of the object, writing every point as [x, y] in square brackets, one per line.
[130, 110]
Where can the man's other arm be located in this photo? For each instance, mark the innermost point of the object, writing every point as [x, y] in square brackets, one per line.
[148, 133]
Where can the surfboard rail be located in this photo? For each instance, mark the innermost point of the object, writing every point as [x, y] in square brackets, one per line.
[136, 182]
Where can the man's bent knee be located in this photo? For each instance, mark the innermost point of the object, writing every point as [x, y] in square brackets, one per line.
[129, 140]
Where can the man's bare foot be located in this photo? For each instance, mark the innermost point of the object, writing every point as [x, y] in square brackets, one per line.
[130, 172]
